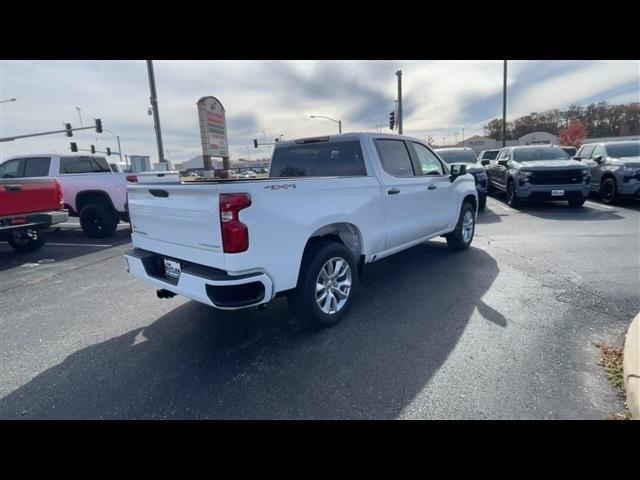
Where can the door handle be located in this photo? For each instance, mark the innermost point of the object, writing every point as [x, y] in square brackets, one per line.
[13, 188]
[393, 191]
[432, 187]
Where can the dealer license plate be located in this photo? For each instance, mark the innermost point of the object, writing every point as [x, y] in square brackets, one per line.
[557, 193]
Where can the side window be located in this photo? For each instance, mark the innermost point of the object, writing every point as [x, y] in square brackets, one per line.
[586, 151]
[37, 167]
[79, 165]
[395, 158]
[12, 168]
[599, 150]
[428, 162]
[506, 155]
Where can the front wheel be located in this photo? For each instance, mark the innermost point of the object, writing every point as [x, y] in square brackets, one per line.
[608, 191]
[325, 288]
[482, 201]
[512, 197]
[461, 237]
[26, 240]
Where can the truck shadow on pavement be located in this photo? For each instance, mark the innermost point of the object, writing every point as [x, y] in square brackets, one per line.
[62, 245]
[195, 362]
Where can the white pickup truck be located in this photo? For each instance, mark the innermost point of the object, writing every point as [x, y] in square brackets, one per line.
[330, 205]
[90, 189]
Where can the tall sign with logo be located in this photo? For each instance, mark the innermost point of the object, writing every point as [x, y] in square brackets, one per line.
[213, 131]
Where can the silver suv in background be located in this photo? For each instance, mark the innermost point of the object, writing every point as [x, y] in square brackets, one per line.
[538, 173]
[615, 168]
[466, 156]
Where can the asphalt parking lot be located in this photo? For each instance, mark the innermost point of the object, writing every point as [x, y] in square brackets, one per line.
[502, 330]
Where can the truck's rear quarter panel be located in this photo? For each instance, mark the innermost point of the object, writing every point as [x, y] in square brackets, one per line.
[26, 195]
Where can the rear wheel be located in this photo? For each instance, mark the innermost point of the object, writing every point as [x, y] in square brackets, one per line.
[26, 240]
[325, 288]
[461, 237]
[512, 197]
[98, 221]
[608, 191]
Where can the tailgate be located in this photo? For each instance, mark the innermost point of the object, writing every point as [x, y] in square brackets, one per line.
[26, 195]
[176, 220]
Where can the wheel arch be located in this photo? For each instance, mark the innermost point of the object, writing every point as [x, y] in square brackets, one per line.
[87, 197]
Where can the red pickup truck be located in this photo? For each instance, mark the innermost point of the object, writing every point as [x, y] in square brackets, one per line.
[27, 207]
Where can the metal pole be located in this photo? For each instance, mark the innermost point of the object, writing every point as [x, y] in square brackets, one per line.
[119, 148]
[504, 106]
[399, 120]
[339, 126]
[154, 105]
[80, 116]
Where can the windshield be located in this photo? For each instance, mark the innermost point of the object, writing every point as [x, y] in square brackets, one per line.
[618, 150]
[457, 156]
[490, 154]
[537, 154]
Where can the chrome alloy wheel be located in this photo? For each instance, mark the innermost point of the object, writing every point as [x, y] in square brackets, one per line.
[333, 285]
[467, 226]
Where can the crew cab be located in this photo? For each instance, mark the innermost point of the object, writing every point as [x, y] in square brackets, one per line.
[614, 167]
[466, 156]
[91, 190]
[538, 173]
[28, 207]
[329, 206]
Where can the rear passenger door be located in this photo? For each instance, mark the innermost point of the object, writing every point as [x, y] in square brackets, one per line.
[405, 194]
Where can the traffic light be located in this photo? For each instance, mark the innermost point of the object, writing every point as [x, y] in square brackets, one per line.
[255, 143]
[98, 125]
[67, 127]
[108, 151]
[74, 147]
[93, 149]
[392, 120]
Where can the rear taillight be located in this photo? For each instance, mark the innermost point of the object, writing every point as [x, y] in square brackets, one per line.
[59, 194]
[235, 234]
[132, 178]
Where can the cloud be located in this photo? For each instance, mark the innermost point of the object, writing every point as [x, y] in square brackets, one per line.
[278, 97]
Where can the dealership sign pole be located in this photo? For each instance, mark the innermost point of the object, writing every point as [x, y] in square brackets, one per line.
[213, 131]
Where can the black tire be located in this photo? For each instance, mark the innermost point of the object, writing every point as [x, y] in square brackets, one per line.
[482, 201]
[21, 242]
[303, 302]
[512, 198]
[576, 203]
[456, 239]
[98, 221]
[490, 189]
[608, 192]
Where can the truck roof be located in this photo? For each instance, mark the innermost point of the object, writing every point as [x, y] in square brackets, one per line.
[345, 136]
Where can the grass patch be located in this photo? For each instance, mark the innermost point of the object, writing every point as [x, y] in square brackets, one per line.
[611, 361]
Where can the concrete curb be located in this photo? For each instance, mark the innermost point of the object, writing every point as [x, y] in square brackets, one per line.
[631, 367]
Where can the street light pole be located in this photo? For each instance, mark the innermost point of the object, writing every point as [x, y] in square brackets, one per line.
[154, 105]
[10, 100]
[504, 106]
[117, 138]
[80, 116]
[339, 122]
[399, 119]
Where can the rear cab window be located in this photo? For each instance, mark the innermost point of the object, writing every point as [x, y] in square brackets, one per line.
[319, 159]
[84, 165]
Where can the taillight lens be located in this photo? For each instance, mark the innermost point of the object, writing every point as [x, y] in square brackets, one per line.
[59, 193]
[132, 178]
[235, 234]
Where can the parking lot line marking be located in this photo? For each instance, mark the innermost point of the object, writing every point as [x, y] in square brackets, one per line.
[495, 203]
[77, 245]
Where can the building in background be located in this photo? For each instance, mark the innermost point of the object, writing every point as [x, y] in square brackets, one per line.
[140, 163]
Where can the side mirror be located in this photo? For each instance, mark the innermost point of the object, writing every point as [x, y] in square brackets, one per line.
[485, 162]
[458, 171]
[597, 159]
[579, 159]
[503, 162]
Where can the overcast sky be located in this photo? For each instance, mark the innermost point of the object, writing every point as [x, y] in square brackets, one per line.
[277, 97]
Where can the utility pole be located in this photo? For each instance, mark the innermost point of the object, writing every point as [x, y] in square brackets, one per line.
[399, 119]
[80, 116]
[504, 106]
[154, 106]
